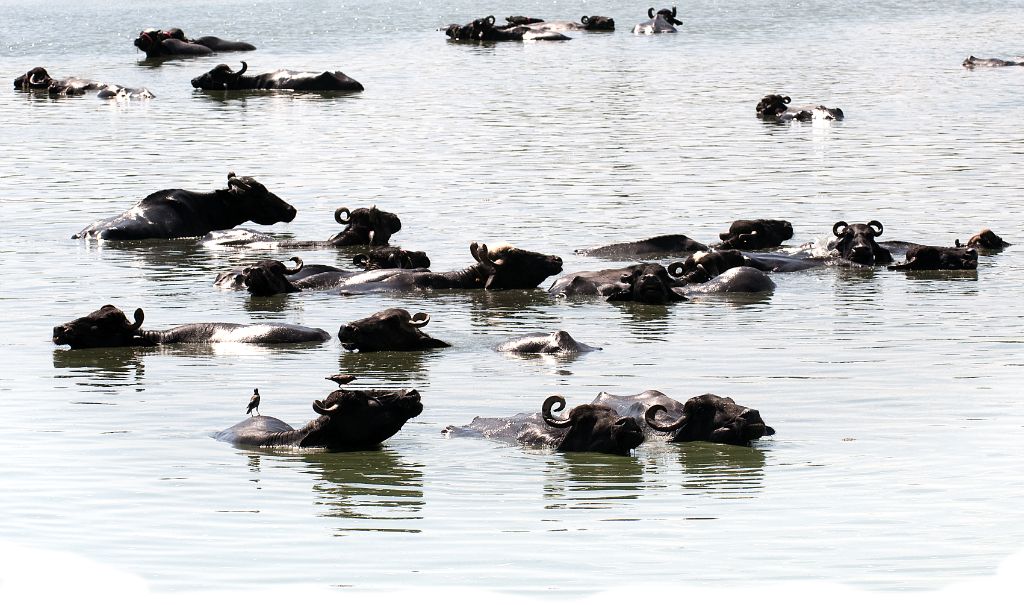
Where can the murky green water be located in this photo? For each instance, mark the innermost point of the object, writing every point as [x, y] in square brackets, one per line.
[897, 463]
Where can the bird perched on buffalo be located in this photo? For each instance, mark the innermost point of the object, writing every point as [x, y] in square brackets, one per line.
[254, 402]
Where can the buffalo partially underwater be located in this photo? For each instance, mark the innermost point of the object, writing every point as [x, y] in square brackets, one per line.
[222, 77]
[173, 43]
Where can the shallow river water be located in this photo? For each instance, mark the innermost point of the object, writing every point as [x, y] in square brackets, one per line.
[897, 462]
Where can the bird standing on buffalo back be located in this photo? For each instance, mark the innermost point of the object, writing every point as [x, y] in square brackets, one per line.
[254, 402]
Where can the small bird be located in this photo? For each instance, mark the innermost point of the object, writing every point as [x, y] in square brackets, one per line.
[254, 402]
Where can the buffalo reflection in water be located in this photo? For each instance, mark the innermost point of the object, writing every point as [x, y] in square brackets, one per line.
[584, 480]
[724, 471]
[103, 368]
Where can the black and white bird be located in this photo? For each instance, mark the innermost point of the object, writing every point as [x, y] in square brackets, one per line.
[254, 402]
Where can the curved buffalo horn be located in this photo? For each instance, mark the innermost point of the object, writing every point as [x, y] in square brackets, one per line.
[139, 316]
[361, 260]
[652, 412]
[318, 407]
[673, 12]
[677, 269]
[484, 256]
[245, 66]
[546, 412]
[585, 20]
[786, 100]
[420, 320]
[298, 266]
[490, 19]
[237, 182]
[877, 225]
[339, 212]
[650, 12]
[840, 225]
[32, 80]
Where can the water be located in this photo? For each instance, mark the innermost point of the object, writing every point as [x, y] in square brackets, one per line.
[896, 397]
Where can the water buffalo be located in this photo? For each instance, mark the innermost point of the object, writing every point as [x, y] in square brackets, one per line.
[234, 278]
[649, 284]
[174, 213]
[935, 258]
[776, 108]
[108, 327]
[755, 234]
[559, 342]
[172, 42]
[662, 245]
[388, 330]
[223, 77]
[348, 420]
[661, 22]
[586, 23]
[985, 240]
[38, 79]
[856, 243]
[711, 418]
[702, 267]
[365, 227]
[484, 30]
[270, 277]
[391, 257]
[972, 62]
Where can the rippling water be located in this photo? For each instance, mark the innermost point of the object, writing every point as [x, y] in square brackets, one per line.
[896, 397]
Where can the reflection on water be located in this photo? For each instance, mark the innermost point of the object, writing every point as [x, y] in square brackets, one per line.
[409, 367]
[586, 480]
[102, 368]
[724, 471]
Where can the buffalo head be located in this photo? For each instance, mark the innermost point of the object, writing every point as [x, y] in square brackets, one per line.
[221, 77]
[36, 78]
[388, 330]
[391, 258]
[772, 106]
[596, 23]
[704, 266]
[756, 234]
[649, 284]
[353, 420]
[253, 201]
[149, 40]
[521, 20]
[935, 258]
[712, 418]
[857, 244]
[985, 240]
[107, 327]
[593, 428]
[513, 268]
[666, 14]
[365, 227]
[269, 277]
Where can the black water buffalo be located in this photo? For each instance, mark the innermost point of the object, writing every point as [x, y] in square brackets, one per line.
[391, 257]
[223, 77]
[174, 213]
[985, 240]
[662, 245]
[270, 277]
[348, 420]
[856, 243]
[776, 108]
[755, 234]
[936, 258]
[38, 79]
[484, 30]
[704, 266]
[649, 284]
[388, 330]
[972, 62]
[234, 278]
[711, 418]
[365, 227]
[108, 327]
[559, 343]
[173, 42]
[586, 23]
[661, 22]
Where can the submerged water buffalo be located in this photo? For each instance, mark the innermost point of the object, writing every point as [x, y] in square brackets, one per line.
[348, 420]
[711, 418]
[661, 22]
[755, 234]
[223, 77]
[985, 240]
[484, 30]
[588, 428]
[173, 42]
[558, 343]
[649, 284]
[586, 23]
[937, 258]
[108, 327]
[661, 245]
[38, 79]
[856, 243]
[971, 62]
[392, 257]
[776, 108]
[388, 330]
[174, 213]
[365, 227]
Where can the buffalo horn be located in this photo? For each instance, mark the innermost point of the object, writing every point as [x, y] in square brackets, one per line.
[786, 100]
[479, 252]
[650, 12]
[652, 412]
[420, 320]
[237, 182]
[673, 12]
[677, 269]
[840, 225]
[318, 407]
[32, 80]
[298, 266]
[490, 19]
[139, 316]
[245, 66]
[585, 20]
[878, 226]
[546, 412]
[338, 213]
[361, 260]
